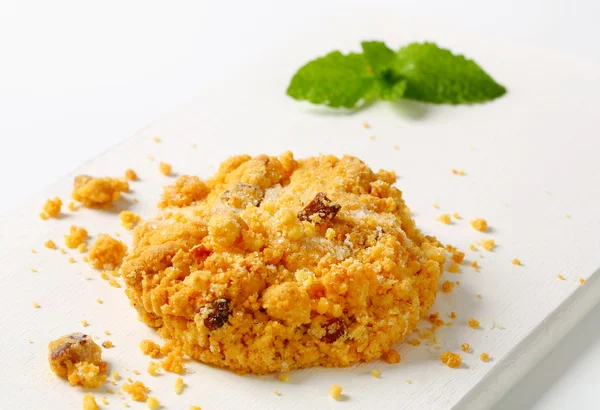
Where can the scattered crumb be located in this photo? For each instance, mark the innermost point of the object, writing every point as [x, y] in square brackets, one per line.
[276, 392]
[134, 371]
[474, 323]
[335, 391]
[131, 175]
[179, 385]
[107, 344]
[452, 360]
[82, 247]
[84, 323]
[51, 208]
[366, 125]
[568, 216]
[33, 251]
[89, 402]
[456, 216]
[488, 244]
[472, 247]
[458, 172]
[445, 219]
[372, 138]
[174, 362]
[107, 252]
[129, 219]
[392, 356]
[452, 315]
[36, 305]
[137, 390]
[447, 286]
[156, 139]
[454, 268]
[192, 407]
[479, 297]
[77, 235]
[149, 348]
[194, 146]
[151, 157]
[458, 256]
[484, 357]
[72, 206]
[415, 342]
[408, 381]
[71, 260]
[50, 244]
[104, 400]
[475, 265]
[135, 200]
[62, 250]
[152, 403]
[436, 206]
[107, 333]
[165, 168]
[516, 261]
[284, 377]
[33, 270]
[99, 301]
[465, 347]
[153, 368]
[376, 373]
[93, 192]
[479, 224]
[116, 375]
[461, 172]
[560, 276]
[395, 147]
[582, 281]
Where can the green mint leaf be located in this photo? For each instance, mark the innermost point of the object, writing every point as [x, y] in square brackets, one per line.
[336, 80]
[392, 91]
[435, 75]
[379, 57]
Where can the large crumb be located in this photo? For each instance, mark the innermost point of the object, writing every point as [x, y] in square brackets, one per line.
[93, 192]
[153, 368]
[185, 191]
[375, 373]
[474, 323]
[516, 262]
[152, 403]
[392, 356]
[165, 168]
[149, 348]
[137, 390]
[335, 391]
[174, 362]
[89, 402]
[131, 175]
[77, 358]
[479, 224]
[179, 385]
[465, 347]
[488, 244]
[454, 268]
[77, 235]
[50, 244]
[445, 219]
[484, 357]
[128, 219]
[107, 252]
[51, 208]
[450, 359]
[447, 286]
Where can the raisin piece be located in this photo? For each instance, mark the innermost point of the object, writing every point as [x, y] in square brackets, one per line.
[335, 329]
[320, 210]
[218, 314]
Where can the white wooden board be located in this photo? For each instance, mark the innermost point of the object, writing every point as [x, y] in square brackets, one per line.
[530, 159]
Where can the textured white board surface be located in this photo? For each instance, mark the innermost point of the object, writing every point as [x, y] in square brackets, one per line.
[530, 160]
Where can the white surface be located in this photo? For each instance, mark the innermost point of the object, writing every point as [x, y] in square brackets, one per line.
[74, 80]
[509, 150]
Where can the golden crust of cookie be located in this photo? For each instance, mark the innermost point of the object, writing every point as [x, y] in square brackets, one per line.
[276, 263]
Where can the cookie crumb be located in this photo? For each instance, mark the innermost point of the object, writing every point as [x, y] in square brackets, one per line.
[479, 297]
[581, 281]
[484, 357]
[72, 206]
[474, 323]
[62, 250]
[453, 315]
[77, 358]
[36, 305]
[395, 147]
[156, 139]
[376, 373]
[488, 244]
[479, 224]
[107, 252]
[107, 333]
[104, 400]
[447, 286]
[152, 403]
[165, 168]
[116, 375]
[107, 344]
[71, 260]
[33, 250]
[179, 385]
[153, 368]
[465, 347]
[192, 407]
[436, 206]
[392, 356]
[174, 362]
[568, 216]
[366, 125]
[475, 265]
[408, 381]
[84, 323]
[131, 175]
[372, 137]
[454, 268]
[50, 244]
[33, 270]
[92, 192]
[415, 342]
[516, 262]
[284, 377]
[51, 208]
[149, 348]
[82, 247]
[128, 219]
[335, 391]
[472, 247]
[456, 216]
[445, 219]
[137, 390]
[560, 277]
[77, 235]
[134, 371]
[89, 402]
[276, 392]
[452, 360]
[99, 301]
[458, 256]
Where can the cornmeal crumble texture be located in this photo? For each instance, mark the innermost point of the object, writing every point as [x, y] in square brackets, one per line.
[107, 252]
[93, 192]
[479, 224]
[335, 391]
[89, 402]
[450, 359]
[137, 390]
[238, 271]
[77, 358]
[51, 208]
[77, 235]
[129, 219]
[149, 348]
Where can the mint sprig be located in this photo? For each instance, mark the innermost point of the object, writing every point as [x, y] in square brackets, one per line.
[419, 71]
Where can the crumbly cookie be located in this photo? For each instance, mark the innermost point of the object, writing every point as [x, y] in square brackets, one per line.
[78, 358]
[276, 263]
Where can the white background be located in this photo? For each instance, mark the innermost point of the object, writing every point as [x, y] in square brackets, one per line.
[77, 77]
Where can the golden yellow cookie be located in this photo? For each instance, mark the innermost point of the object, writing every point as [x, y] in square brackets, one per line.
[276, 263]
